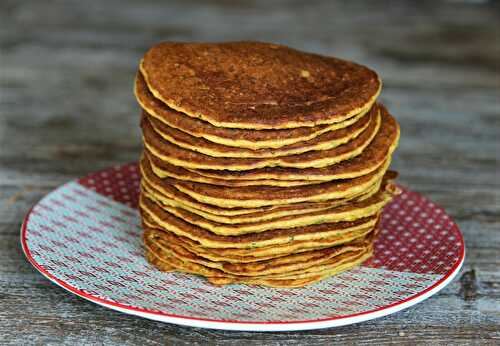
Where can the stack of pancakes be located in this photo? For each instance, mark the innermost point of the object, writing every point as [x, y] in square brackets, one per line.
[262, 164]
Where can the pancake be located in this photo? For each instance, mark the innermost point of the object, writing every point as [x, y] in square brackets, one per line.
[288, 264]
[257, 85]
[178, 156]
[154, 216]
[155, 194]
[343, 261]
[232, 137]
[372, 157]
[258, 196]
[163, 265]
[325, 141]
[253, 255]
[294, 246]
[165, 193]
[350, 212]
[262, 164]
[337, 265]
[163, 169]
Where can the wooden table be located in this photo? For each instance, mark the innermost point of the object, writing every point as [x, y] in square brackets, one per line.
[66, 109]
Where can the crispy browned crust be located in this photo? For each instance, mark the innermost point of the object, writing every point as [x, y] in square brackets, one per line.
[257, 85]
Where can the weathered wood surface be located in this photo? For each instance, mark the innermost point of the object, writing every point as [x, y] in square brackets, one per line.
[66, 109]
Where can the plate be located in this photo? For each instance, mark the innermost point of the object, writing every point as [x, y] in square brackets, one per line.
[85, 236]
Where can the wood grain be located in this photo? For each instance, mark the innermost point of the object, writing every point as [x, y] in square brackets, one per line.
[66, 109]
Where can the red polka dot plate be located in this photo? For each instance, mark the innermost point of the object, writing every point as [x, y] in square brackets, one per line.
[85, 236]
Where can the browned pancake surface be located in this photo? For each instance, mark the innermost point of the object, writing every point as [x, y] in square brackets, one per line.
[149, 209]
[163, 188]
[189, 158]
[247, 138]
[370, 159]
[205, 146]
[178, 172]
[257, 85]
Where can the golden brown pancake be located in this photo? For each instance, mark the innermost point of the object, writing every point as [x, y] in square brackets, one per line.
[337, 265]
[349, 212]
[165, 193]
[165, 170]
[288, 264]
[156, 194]
[253, 255]
[370, 159]
[259, 196]
[282, 266]
[235, 137]
[178, 156]
[257, 85]
[154, 216]
[325, 141]
[298, 278]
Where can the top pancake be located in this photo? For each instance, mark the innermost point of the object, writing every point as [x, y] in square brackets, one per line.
[253, 85]
[232, 137]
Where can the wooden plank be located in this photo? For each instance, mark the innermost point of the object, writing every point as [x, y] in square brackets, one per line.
[66, 109]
